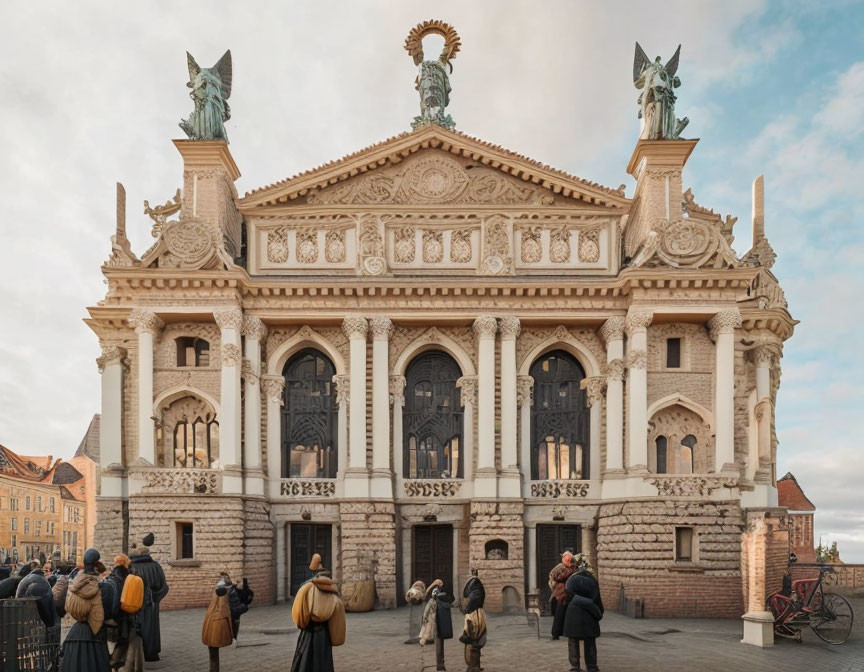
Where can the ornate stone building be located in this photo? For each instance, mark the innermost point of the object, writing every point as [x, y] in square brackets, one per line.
[434, 355]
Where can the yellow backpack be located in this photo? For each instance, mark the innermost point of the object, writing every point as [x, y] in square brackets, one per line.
[132, 597]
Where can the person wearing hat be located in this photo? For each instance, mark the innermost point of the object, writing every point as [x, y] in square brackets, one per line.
[558, 600]
[320, 615]
[84, 650]
[155, 589]
[437, 620]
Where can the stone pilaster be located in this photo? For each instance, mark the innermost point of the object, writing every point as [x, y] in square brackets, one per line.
[637, 383]
[612, 333]
[230, 322]
[509, 480]
[256, 334]
[397, 400]
[524, 400]
[357, 475]
[722, 327]
[485, 485]
[273, 386]
[146, 324]
[381, 486]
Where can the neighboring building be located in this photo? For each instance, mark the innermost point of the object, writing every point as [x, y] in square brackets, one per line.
[434, 355]
[801, 511]
[74, 526]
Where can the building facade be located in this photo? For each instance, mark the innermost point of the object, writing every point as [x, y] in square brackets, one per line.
[436, 355]
[801, 512]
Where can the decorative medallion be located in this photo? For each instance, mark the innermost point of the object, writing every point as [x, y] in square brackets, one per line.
[433, 247]
[190, 241]
[307, 247]
[435, 179]
[277, 246]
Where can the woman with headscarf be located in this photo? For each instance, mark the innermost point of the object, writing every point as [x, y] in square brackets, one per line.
[84, 650]
[558, 601]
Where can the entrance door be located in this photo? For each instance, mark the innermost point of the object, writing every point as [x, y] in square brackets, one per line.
[433, 555]
[552, 541]
[306, 540]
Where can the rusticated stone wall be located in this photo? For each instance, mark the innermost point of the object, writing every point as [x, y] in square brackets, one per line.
[369, 547]
[498, 520]
[636, 547]
[110, 527]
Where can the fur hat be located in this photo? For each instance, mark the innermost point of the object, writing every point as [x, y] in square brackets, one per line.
[149, 539]
[122, 560]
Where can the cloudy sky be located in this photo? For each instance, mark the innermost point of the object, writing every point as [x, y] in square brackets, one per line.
[92, 95]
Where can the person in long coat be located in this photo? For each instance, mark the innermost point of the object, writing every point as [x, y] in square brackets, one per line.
[582, 622]
[558, 601]
[36, 585]
[217, 630]
[83, 649]
[155, 589]
[441, 604]
[474, 632]
[320, 615]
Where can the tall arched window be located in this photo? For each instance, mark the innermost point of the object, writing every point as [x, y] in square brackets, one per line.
[432, 418]
[188, 434]
[309, 417]
[684, 455]
[560, 418]
[661, 444]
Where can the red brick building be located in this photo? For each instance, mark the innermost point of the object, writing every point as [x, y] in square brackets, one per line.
[801, 510]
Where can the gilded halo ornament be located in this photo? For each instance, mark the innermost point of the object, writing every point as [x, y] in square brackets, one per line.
[432, 82]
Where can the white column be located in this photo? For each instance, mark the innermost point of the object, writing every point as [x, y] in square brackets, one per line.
[722, 327]
[397, 399]
[230, 323]
[343, 384]
[764, 356]
[357, 475]
[594, 386]
[468, 398]
[274, 386]
[146, 325]
[381, 486]
[509, 481]
[485, 327]
[612, 333]
[532, 559]
[256, 333]
[525, 399]
[111, 435]
[637, 384]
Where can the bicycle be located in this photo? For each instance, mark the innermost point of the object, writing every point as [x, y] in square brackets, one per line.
[803, 602]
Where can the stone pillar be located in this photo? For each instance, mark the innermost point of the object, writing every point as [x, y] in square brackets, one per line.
[509, 480]
[637, 384]
[111, 435]
[342, 383]
[381, 486]
[468, 397]
[281, 561]
[764, 357]
[397, 399]
[146, 325]
[274, 388]
[230, 322]
[531, 533]
[722, 327]
[256, 333]
[357, 474]
[525, 399]
[764, 554]
[612, 333]
[594, 386]
[485, 327]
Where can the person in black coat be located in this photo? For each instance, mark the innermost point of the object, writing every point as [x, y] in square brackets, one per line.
[36, 585]
[238, 600]
[474, 631]
[155, 588]
[443, 623]
[582, 621]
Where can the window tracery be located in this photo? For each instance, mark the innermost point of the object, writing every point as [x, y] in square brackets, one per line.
[189, 434]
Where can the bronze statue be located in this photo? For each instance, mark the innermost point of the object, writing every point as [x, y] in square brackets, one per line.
[211, 89]
[432, 82]
[656, 83]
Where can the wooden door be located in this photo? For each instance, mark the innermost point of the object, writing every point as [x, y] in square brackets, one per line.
[306, 540]
[552, 541]
[433, 554]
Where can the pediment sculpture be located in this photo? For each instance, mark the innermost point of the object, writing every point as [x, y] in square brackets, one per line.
[685, 243]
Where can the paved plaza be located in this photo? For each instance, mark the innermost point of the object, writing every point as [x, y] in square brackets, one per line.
[375, 642]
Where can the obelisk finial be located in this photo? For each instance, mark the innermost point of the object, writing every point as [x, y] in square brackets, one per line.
[432, 82]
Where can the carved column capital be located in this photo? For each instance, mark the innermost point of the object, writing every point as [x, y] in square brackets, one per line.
[342, 382]
[355, 327]
[111, 354]
[274, 386]
[615, 370]
[637, 321]
[145, 321]
[509, 327]
[381, 327]
[724, 322]
[594, 386]
[637, 359]
[613, 329]
[485, 326]
[254, 327]
[525, 390]
[467, 390]
[766, 353]
[229, 318]
[397, 390]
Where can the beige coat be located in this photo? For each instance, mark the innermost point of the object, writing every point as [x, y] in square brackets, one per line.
[217, 630]
[84, 601]
[318, 600]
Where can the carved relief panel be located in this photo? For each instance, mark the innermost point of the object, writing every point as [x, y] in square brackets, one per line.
[303, 243]
[564, 244]
[434, 243]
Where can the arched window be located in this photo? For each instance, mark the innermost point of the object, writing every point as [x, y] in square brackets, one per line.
[661, 444]
[192, 351]
[309, 417]
[684, 456]
[560, 418]
[432, 418]
[189, 434]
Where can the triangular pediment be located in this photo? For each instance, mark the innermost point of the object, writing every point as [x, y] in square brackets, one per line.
[433, 166]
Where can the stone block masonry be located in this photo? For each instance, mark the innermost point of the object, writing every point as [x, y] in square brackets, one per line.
[369, 547]
[491, 521]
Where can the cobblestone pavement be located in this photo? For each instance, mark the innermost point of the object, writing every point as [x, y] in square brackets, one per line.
[375, 642]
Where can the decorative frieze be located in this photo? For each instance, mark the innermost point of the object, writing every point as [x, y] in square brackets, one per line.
[432, 488]
[556, 489]
[231, 318]
[307, 487]
[690, 486]
[178, 481]
[145, 321]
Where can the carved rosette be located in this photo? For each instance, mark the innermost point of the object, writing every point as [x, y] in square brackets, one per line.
[274, 387]
[307, 487]
[589, 246]
[432, 488]
[254, 328]
[595, 387]
[460, 246]
[467, 390]
[524, 390]
[724, 322]
[111, 354]
[637, 322]
[556, 489]
[404, 245]
[144, 321]
[334, 247]
[559, 245]
[231, 355]
[355, 327]
[397, 390]
[613, 329]
[615, 370]
[277, 246]
[485, 326]
[228, 319]
[690, 486]
[433, 247]
[509, 327]
[307, 246]
[381, 328]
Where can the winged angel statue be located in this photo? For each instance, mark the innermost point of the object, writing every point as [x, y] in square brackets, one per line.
[432, 82]
[656, 83]
[211, 89]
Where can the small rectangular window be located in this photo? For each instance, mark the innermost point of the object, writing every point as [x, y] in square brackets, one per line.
[185, 548]
[684, 544]
[673, 353]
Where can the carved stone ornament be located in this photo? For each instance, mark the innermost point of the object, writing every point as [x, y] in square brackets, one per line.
[767, 291]
[277, 246]
[307, 487]
[485, 326]
[254, 328]
[595, 387]
[556, 489]
[397, 390]
[437, 487]
[371, 252]
[637, 359]
[637, 322]
[724, 322]
[497, 258]
[355, 327]
[111, 354]
[613, 329]
[228, 319]
[685, 243]
[178, 481]
[343, 388]
[404, 244]
[509, 327]
[334, 247]
[307, 247]
[589, 246]
[690, 486]
[433, 247]
[524, 390]
[192, 243]
[559, 245]
[460, 246]
[467, 390]
[231, 355]
[381, 327]
[274, 387]
[615, 370]
[532, 248]
[144, 320]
